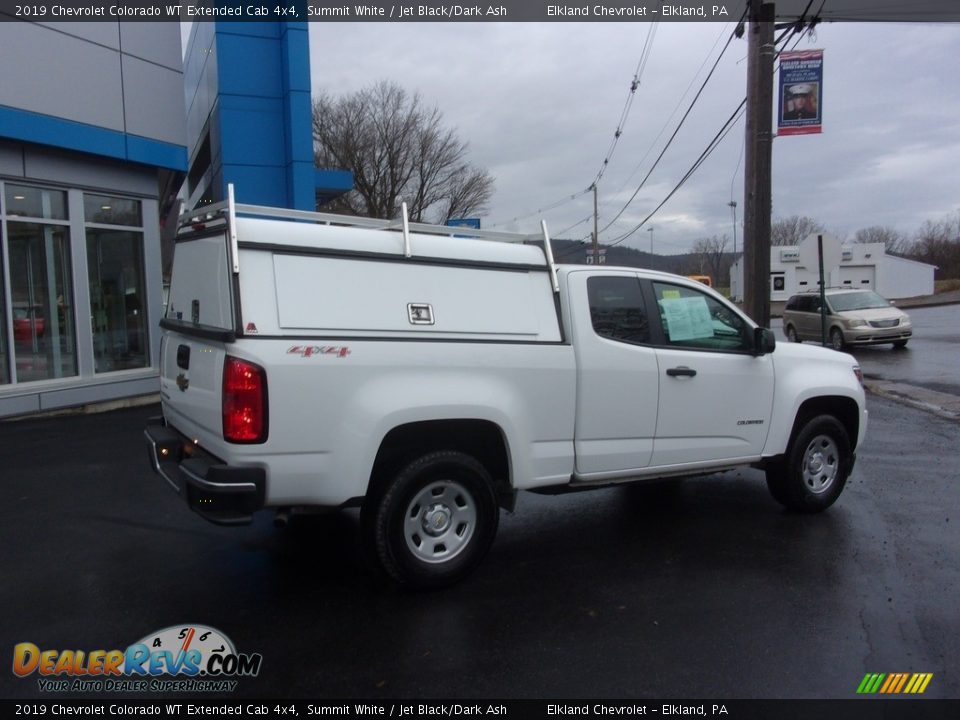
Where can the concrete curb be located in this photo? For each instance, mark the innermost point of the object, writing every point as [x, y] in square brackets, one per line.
[91, 408]
[940, 404]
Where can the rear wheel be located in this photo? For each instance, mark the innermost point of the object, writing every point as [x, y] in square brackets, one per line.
[836, 339]
[434, 522]
[792, 334]
[814, 470]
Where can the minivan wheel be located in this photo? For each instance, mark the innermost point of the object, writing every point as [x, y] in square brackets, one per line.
[792, 334]
[899, 344]
[434, 523]
[813, 472]
[836, 339]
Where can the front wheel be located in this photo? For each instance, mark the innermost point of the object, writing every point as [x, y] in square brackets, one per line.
[434, 523]
[899, 344]
[814, 470]
[836, 339]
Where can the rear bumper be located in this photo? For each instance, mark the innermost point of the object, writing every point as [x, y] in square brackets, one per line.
[222, 494]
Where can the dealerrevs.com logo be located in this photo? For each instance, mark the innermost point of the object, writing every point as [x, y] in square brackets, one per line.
[180, 658]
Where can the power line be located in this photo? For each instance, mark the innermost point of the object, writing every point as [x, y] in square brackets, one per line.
[674, 112]
[625, 113]
[711, 146]
[677, 130]
[571, 227]
[546, 209]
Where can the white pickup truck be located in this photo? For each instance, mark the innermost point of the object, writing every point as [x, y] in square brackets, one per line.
[314, 361]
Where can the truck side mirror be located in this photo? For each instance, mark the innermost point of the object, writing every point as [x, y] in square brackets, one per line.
[764, 341]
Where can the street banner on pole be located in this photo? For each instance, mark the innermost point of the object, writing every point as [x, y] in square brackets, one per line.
[800, 111]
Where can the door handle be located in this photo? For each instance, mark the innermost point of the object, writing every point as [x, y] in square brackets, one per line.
[682, 371]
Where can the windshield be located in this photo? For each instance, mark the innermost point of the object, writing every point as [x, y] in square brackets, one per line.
[863, 300]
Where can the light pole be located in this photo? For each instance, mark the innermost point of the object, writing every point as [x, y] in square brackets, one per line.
[650, 230]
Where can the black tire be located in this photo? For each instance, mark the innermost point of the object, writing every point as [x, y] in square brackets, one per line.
[836, 339]
[433, 523]
[899, 344]
[814, 470]
[791, 334]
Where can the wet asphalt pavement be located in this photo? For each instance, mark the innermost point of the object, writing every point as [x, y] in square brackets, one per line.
[702, 588]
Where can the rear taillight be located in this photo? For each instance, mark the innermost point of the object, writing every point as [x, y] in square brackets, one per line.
[244, 402]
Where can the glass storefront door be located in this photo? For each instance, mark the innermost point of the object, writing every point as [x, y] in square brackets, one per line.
[41, 288]
[50, 327]
[41, 291]
[117, 307]
[115, 272]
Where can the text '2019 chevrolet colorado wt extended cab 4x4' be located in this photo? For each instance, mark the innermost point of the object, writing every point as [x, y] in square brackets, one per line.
[318, 361]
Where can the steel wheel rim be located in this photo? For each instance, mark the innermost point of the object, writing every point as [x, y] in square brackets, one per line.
[821, 464]
[440, 521]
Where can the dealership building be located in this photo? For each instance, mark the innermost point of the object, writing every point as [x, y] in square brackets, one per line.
[101, 125]
[92, 155]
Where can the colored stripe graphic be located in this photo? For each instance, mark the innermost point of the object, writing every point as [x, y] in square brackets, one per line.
[894, 683]
[903, 681]
[870, 683]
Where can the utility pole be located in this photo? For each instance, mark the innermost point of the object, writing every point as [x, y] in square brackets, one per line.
[650, 230]
[596, 233]
[733, 205]
[757, 202]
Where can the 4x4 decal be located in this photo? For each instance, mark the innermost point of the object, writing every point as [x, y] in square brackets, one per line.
[311, 350]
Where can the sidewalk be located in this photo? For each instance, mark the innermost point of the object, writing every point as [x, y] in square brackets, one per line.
[945, 298]
[941, 404]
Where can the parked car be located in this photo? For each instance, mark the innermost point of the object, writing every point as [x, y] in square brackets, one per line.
[854, 317]
[27, 321]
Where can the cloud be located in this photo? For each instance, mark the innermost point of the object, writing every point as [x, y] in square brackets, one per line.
[539, 104]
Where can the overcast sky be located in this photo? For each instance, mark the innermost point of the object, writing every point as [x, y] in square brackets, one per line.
[539, 103]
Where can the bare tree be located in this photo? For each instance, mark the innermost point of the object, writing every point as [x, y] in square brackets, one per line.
[710, 255]
[938, 243]
[398, 150]
[894, 241]
[793, 230]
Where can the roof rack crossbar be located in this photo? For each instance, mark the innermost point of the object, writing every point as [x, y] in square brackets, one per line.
[379, 224]
[232, 209]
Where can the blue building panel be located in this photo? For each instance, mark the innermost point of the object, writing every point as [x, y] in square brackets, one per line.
[333, 181]
[299, 134]
[296, 56]
[252, 136]
[57, 132]
[152, 152]
[248, 65]
[258, 184]
[250, 116]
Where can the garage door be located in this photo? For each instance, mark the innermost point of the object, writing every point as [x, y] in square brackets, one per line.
[857, 276]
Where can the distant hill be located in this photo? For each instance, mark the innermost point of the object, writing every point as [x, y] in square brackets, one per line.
[574, 252]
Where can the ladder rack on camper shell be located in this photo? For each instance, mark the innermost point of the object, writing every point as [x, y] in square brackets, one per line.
[225, 212]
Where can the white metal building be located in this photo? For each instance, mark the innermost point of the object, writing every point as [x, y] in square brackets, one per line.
[794, 268]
